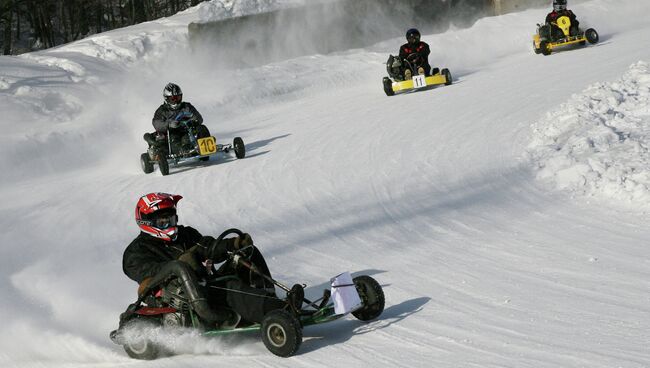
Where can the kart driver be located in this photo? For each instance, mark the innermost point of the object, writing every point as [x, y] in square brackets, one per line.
[416, 53]
[164, 250]
[560, 10]
[166, 118]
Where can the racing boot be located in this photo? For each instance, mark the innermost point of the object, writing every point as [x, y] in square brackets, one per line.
[150, 138]
[408, 74]
[295, 297]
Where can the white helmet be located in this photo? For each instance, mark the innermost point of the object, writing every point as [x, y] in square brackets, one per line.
[173, 95]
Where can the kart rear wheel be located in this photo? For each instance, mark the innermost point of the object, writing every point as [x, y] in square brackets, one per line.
[239, 147]
[146, 164]
[372, 297]
[203, 132]
[163, 165]
[281, 333]
[139, 346]
[592, 36]
[388, 87]
[447, 75]
[544, 49]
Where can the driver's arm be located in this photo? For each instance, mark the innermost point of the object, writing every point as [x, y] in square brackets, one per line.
[160, 121]
[197, 116]
[424, 53]
[139, 264]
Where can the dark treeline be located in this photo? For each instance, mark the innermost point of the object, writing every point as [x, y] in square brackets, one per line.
[27, 25]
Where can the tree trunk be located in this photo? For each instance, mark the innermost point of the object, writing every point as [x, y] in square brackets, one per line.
[8, 10]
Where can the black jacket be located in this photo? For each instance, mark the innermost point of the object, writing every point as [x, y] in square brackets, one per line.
[421, 49]
[146, 255]
[553, 16]
[164, 115]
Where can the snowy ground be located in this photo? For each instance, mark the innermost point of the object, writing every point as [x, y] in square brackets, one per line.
[505, 216]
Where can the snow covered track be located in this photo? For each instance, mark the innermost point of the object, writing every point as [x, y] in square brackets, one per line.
[435, 194]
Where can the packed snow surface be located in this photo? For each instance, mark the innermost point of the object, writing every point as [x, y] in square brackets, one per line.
[506, 216]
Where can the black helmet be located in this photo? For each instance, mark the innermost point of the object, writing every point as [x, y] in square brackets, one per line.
[173, 95]
[559, 5]
[413, 36]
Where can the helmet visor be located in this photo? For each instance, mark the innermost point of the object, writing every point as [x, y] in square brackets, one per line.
[174, 99]
[413, 38]
[164, 222]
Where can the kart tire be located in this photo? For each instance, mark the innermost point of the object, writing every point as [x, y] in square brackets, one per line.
[537, 51]
[239, 147]
[145, 162]
[281, 333]
[544, 49]
[372, 297]
[163, 165]
[447, 75]
[592, 36]
[142, 349]
[202, 131]
[388, 87]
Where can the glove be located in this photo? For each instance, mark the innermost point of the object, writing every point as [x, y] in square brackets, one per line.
[190, 257]
[243, 241]
[173, 124]
[144, 286]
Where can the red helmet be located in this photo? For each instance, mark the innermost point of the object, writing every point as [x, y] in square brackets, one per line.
[155, 214]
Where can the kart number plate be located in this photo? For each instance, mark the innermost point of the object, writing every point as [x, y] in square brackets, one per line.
[207, 146]
[419, 81]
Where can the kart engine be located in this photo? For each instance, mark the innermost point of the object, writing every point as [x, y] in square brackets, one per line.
[174, 296]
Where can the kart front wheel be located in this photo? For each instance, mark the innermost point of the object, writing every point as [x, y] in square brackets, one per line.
[544, 49]
[281, 333]
[592, 36]
[146, 164]
[388, 87]
[163, 165]
[372, 297]
[447, 74]
[239, 147]
[537, 51]
[139, 346]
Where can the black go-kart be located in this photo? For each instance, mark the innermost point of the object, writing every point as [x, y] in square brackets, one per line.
[168, 149]
[165, 306]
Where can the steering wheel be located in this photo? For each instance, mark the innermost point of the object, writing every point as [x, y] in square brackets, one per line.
[412, 57]
[228, 232]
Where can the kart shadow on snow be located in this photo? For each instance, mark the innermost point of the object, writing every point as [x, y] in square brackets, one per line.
[337, 332]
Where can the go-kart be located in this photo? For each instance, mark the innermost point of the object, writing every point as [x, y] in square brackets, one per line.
[199, 145]
[397, 83]
[166, 307]
[544, 41]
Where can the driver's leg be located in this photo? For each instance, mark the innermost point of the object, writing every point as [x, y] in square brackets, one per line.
[251, 303]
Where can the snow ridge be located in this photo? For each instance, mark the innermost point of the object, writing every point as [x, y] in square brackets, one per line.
[596, 144]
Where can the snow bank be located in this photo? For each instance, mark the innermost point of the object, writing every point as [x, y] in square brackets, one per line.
[597, 143]
[222, 9]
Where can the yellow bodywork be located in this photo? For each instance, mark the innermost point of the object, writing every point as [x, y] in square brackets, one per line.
[564, 23]
[410, 84]
[207, 146]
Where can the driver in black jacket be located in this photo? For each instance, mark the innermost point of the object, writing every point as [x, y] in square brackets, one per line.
[166, 250]
[167, 116]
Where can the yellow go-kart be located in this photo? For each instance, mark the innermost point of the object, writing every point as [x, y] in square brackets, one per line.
[544, 43]
[396, 83]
